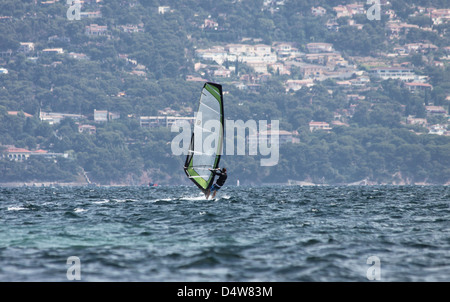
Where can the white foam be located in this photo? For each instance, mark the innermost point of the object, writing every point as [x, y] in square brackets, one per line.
[79, 210]
[15, 208]
[124, 200]
[101, 201]
[201, 197]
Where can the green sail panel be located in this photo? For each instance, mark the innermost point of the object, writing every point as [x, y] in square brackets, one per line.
[199, 159]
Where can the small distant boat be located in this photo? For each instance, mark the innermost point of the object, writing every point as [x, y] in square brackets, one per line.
[150, 184]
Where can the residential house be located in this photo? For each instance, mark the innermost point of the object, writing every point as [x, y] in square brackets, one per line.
[314, 126]
[89, 129]
[16, 154]
[6, 53]
[90, 15]
[279, 68]
[216, 53]
[26, 47]
[285, 49]
[413, 87]
[21, 154]
[298, 84]
[163, 9]
[113, 116]
[420, 47]
[397, 27]
[210, 24]
[435, 110]
[411, 120]
[132, 28]
[341, 11]
[56, 117]
[332, 25]
[100, 115]
[356, 8]
[349, 10]
[96, 30]
[78, 56]
[440, 16]
[259, 64]
[312, 71]
[344, 84]
[332, 59]
[360, 81]
[258, 50]
[222, 73]
[438, 129]
[319, 47]
[404, 74]
[318, 11]
[53, 51]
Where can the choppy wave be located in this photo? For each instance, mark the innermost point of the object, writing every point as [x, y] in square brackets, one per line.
[245, 234]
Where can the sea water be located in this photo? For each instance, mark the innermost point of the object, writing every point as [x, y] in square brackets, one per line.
[260, 233]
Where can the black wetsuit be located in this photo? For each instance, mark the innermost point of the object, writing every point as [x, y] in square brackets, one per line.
[222, 177]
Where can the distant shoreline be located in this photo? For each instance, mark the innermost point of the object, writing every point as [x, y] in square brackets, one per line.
[83, 184]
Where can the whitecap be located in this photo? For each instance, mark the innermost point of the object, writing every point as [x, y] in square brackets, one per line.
[201, 197]
[16, 208]
[101, 201]
[79, 210]
[124, 200]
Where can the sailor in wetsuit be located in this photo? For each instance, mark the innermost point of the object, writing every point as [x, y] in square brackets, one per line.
[222, 173]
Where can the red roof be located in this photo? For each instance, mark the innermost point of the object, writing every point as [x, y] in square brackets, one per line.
[419, 84]
[17, 112]
[17, 150]
[318, 124]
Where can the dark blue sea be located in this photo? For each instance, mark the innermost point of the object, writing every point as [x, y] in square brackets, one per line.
[261, 233]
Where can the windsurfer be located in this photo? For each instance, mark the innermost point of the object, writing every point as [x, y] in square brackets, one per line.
[222, 173]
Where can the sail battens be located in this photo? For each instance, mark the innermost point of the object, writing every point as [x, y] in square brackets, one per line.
[210, 108]
[205, 129]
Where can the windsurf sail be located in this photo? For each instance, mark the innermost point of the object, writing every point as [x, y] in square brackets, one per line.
[206, 141]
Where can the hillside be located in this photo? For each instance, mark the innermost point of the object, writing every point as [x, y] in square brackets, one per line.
[357, 99]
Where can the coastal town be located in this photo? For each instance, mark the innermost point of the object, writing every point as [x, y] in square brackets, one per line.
[250, 63]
